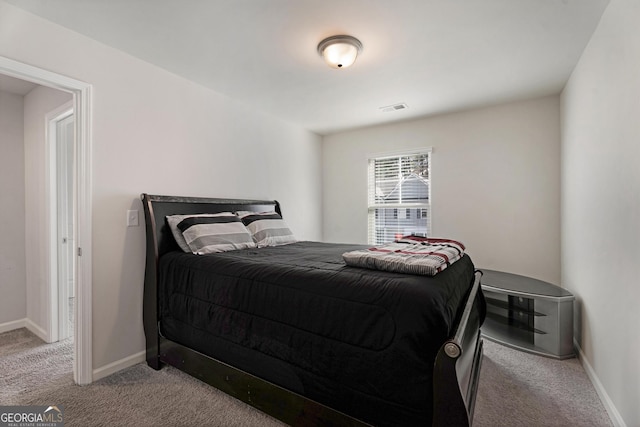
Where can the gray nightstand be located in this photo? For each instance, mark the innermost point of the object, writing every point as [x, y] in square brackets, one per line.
[528, 314]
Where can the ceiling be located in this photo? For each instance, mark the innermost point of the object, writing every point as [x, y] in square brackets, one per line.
[435, 56]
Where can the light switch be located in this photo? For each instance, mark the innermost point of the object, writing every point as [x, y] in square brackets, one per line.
[132, 218]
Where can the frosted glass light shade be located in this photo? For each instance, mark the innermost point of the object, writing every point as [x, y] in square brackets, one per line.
[340, 51]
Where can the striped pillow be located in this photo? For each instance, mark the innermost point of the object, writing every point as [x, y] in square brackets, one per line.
[267, 228]
[210, 234]
[174, 220]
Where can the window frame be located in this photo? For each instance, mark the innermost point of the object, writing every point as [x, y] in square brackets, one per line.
[423, 208]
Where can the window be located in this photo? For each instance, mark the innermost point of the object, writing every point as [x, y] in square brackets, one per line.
[399, 196]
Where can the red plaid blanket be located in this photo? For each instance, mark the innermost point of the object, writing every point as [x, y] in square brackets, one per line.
[411, 254]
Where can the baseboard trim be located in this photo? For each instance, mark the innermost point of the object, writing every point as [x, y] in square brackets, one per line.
[13, 325]
[614, 415]
[37, 330]
[118, 365]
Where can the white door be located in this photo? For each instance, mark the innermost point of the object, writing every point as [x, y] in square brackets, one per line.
[64, 148]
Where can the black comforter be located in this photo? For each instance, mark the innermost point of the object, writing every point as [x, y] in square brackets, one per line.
[358, 340]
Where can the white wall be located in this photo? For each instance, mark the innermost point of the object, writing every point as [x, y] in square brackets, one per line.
[158, 133]
[37, 104]
[495, 182]
[601, 205]
[12, 210]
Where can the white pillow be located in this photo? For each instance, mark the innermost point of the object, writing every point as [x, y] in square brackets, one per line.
[267, 228]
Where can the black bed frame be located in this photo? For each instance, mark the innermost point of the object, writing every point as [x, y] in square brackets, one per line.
[456, 370]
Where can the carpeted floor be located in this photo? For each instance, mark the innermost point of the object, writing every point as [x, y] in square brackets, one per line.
[516, 389]
[35, 373]
[522, 389]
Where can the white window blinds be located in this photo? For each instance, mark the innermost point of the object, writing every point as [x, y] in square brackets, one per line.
[399, 196]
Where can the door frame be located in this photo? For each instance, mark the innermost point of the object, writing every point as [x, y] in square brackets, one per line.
[81, 91]
[58, 301]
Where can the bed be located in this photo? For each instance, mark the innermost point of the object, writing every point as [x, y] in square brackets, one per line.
[294, 332]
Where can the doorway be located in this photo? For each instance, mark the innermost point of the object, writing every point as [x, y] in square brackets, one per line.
[81, 91]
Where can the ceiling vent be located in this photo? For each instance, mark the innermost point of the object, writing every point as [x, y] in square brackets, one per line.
[395, 107]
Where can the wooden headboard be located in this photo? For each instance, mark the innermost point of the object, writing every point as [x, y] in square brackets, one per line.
[156, 209]
[160, 241]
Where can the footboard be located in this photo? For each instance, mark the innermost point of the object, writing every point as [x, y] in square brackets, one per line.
[457, 367]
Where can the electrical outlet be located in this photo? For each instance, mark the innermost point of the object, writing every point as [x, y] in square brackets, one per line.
[132, 218]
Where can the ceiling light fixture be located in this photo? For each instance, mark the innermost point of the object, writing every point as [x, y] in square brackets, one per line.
[340, 51]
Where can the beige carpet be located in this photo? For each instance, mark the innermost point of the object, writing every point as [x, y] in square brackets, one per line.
[35, 373]
[516, 389]
[522, 389]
